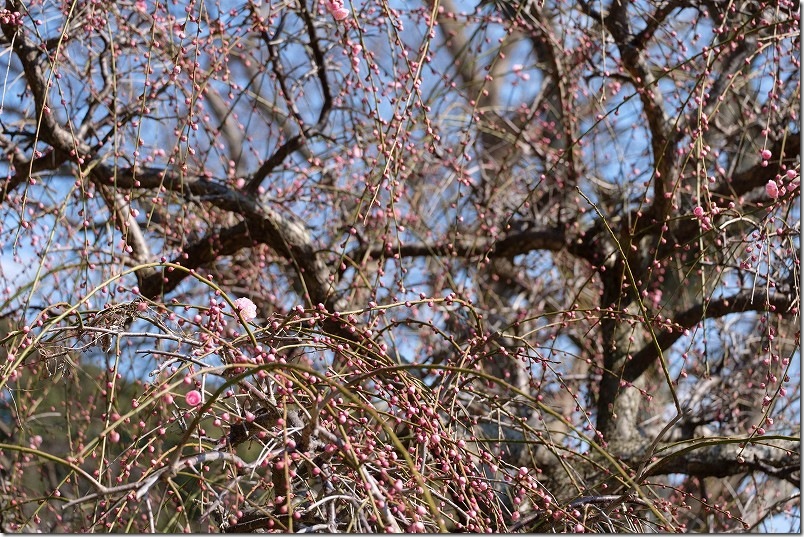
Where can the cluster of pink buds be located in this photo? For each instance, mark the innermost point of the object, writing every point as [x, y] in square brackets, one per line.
[10, 18]
[776, 188]
[336, 9]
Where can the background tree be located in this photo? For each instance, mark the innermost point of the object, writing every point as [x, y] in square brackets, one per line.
[398, 266]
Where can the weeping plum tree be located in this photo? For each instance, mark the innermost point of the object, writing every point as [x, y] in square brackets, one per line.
[400, 266]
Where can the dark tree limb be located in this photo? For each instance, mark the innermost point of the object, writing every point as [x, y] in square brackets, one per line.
[662, 138]
[633, 368]
[785, 151]
[512, 245]
[713, 457]
[296, 142]
[778, 303]
[67, 146]
[24, 169]
[288, 236]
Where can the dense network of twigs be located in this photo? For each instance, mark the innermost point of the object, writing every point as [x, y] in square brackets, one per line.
[385, 266]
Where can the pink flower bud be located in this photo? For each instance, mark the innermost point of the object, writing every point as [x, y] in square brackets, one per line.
[772, 189]
[766, 154]
[193, 398]
[698, 211]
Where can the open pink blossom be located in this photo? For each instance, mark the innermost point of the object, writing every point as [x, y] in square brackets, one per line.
[772, 189]
[340, 14]
[247, 308]
[336, 9]
[193, 398]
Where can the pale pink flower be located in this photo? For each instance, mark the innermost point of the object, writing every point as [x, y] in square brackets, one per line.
[336, 9]
[247, 308]
[340, 14]
[772, 189]
[193, 398]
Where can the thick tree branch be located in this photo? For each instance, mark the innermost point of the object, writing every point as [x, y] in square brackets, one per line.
[655, 20]
[611, 396]
[785, 151]
[227, 127]
[64, 142]
[285, 234]
[221, 243]
[547, 45]
[685, 230]
[662, 139]
[714, 458]
[125, 221]
[34, 62]
[742, 302]
[24, 169]
[296, 142]
[512, 245]
[459, 46]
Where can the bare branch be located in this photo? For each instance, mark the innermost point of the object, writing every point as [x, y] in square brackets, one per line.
[296, 142]
[717, 457]
[25, 169]
[742, 302]
[512, 245]
[662, 141]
